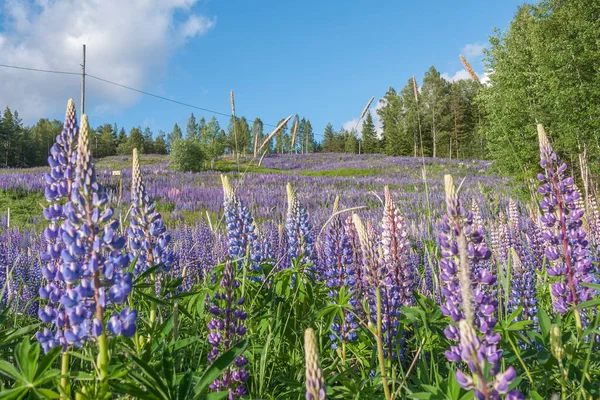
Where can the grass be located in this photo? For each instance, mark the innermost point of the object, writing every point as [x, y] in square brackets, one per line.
[23, 206]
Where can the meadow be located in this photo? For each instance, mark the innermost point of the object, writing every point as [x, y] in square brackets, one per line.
[312, 276]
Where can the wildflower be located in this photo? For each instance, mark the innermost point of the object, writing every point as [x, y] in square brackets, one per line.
[468, 303]
[298, 229]
[565, 240]
[227, 329]
[242, 238]
[148, 239]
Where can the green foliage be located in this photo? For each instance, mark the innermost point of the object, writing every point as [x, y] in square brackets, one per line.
[187, 155]
[545, 71]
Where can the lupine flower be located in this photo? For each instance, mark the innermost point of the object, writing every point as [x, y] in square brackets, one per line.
[59, 184]
[376, 274]
[241, 231]
[315, 385]
[395, 248]
[339, 273]
[298, 229]
[565, 240]
[523, 291]
[226, 329]
[468, 304]
[90, 262]
[148, 237]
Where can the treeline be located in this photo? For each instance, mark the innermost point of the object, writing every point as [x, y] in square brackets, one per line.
[205, 141]
[546, 69]
[440, 119]
[22, 146]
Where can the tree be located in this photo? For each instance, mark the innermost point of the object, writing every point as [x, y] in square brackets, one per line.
[544, 71]
[160, 144]
[369, 135]
[390, 114]
[308, 137]
[135, 141]
[280, 138]
[175, 135]
[186, 155]
[106, 144]
[214, 140]
[435, 107]
[148, 141]
[328, 138]
[350, 142]
[191, 130]
[43, 134]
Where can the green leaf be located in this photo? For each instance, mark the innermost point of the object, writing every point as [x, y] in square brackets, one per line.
[544, 321]
[9, 370]
[220, 365]
[47, 360]
[14, 393]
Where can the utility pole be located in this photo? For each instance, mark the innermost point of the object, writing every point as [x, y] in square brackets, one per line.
[82, 110]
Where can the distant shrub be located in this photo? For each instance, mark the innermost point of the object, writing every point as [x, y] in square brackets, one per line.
[187, 155]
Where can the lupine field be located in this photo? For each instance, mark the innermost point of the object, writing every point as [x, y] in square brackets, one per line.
[307, 276]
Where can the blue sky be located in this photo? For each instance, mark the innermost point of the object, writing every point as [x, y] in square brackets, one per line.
[320, 59]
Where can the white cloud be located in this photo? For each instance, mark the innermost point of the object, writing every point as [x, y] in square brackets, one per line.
[128, 42]
[457, 76]
[355, 124]
[197, 26]
[473, 50]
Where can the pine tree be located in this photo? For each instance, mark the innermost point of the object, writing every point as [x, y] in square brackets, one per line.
[175, 135]
[191, 130]
[160, 144]
[370, 143]
[328, 138]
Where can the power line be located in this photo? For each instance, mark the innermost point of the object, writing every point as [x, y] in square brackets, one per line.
[40, 70]
[126, 87]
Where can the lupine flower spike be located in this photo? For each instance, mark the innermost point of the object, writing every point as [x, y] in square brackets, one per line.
[468, 304]
[242, 238]
[226, 329]
[148, 237]
[566, 244]
[298, 229]
[339, 272]
[315, 385]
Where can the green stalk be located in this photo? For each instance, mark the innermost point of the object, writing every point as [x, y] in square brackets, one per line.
[64, 371]
[102, 362]
[386, 389]
[153, 304]
[521, 360]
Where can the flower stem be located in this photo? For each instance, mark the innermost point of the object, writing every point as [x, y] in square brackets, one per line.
[102, 362]
[378, 334]
[64, 371]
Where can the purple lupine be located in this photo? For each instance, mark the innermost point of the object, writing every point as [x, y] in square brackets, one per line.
[298, 229]
[339, 273]
[468, 303]
[90, 262]
[242, 239]
[565, 240]
[226, 330]
[523, 291]
[357, 259]
[376, 274]
[59, 184]
[395, 248]
[147, 234]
